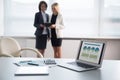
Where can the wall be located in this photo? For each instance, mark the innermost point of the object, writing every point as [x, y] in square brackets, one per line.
[70, 48]
[113, 49]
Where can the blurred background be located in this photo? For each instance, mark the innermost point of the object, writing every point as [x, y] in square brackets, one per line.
[91, 19]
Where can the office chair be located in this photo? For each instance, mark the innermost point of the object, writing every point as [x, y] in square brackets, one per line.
[9, 47]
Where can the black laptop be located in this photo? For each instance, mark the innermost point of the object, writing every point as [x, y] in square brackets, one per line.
[89, 57]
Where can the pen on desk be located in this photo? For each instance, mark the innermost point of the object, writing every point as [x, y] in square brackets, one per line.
[33, 64]
[17, 64]
[25, 61]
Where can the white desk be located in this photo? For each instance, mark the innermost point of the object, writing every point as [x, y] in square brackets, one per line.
[109, 71]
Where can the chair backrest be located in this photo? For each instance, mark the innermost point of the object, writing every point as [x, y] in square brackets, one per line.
[9, 46]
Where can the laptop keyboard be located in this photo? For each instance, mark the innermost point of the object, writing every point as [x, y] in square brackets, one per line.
[81, 64]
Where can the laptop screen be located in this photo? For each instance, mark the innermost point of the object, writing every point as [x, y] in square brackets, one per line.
[91, 52]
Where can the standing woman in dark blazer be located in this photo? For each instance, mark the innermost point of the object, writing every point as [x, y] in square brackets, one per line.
[41, 32]
[56, 30]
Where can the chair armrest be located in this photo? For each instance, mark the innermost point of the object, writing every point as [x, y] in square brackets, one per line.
[34, 50]
[5, 55]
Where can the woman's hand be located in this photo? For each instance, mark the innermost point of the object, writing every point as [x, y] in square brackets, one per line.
[52, 26]
[42, 26]
[48, 39]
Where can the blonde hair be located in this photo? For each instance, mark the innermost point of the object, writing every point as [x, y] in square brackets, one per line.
[56, 5]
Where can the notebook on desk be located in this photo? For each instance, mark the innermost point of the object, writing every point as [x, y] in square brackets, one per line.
[89, 57]
[32, 70]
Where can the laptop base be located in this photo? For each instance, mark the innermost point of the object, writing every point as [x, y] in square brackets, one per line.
[76, 67]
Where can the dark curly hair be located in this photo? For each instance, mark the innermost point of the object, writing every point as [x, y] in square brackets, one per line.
[42, 2]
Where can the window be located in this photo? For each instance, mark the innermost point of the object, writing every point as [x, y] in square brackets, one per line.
[82, 18]
[110, 18]
[1, 18]
[79, 17]
[19, 17]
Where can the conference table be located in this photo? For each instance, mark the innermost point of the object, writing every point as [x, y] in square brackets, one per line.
[110, 70]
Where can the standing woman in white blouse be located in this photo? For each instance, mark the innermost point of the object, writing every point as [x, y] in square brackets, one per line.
[56, 30]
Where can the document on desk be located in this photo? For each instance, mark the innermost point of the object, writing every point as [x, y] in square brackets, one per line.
[29, 63]
[32, 70]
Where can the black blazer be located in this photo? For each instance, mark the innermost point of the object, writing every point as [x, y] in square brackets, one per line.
[37, 21]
